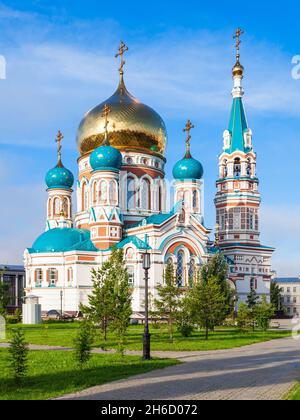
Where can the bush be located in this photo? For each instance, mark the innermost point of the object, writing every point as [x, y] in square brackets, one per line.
[18, 355]
[12, 319]
[186, 330]
[83, 343]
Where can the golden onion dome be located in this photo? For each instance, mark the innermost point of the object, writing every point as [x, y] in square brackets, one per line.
[132, 125]
[238, 69]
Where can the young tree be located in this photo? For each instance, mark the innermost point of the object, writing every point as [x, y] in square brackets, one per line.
[252, 299]
[83, 343]
[244, 316]
[263, 312]
[217, 267]
[18, 351]
[100, 307]
[122, 296]
[4, 294]
[167, 306]
[208, 304]
[276, 298]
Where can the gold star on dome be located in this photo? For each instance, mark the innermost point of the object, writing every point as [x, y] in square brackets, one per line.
[188, 127]
[58, 140]
[122, 50]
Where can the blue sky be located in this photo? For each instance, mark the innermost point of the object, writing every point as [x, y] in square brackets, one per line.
[60, 63]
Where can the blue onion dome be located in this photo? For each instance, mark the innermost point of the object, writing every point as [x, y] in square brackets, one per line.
[60, 240]
[188, 168]
[59, 177]
[106, 158]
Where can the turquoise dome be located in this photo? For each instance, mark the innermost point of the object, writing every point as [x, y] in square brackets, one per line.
[60, 240]
[188, 168]
[59, 177]
[106, 158]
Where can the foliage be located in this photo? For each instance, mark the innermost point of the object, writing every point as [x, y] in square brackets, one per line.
[83, 343]
[4, 295]
[18, 315]
[263, 312]
[167, 306]
[252, 299]
[111, 298]
[208, 304]
[244, 317]
[18, 351]
[276, 298]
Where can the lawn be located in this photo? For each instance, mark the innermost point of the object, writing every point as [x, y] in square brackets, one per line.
[54, 373]
[223, 338]
[295, 394]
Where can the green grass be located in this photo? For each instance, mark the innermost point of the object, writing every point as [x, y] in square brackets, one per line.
[54, 373]
[222, 338]
[294, 395]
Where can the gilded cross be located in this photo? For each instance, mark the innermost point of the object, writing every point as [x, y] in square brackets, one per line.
[188, 127]
[58, 140]
[105, 113]
[238, 33]
[122, 50]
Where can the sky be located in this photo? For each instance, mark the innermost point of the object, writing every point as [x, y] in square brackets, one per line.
[60, 63]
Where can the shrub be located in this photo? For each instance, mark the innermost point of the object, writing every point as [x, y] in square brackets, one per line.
[186, 330]
[83, 343]
[18, 355]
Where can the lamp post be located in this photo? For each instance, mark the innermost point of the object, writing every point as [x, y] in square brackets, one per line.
[147, 337]
[61, 305]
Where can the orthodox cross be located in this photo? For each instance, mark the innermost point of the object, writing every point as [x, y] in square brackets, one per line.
[105, 113]
[122, 50]
[238, 33]
[188, 127]
[58, 140]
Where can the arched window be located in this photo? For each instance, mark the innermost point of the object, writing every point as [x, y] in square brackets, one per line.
[187, 200]
[146, 194]
[131, 191]
[225, 169]
[66, 207]
[85, 197]
[253, 284]
[249, 171]
[52, 277]
[180, 269]
[56, 206]
[237, 167]
[195, 200]
[102, 196]
[113, 193]
[130, 271]
[38, 277]
[192, 272]
[50, 212]
[70, 276]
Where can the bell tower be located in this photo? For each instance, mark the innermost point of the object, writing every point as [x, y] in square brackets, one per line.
[59, 182]
[238, 198]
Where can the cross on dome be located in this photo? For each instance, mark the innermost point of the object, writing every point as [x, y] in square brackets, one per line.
[238, 33]
[122, 50]
[58, 140]
[188, 127]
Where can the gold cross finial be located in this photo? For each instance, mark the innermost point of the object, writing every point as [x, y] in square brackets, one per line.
[238, 33]
[58, 140]
[188, 127]
[105, 113]
[122, 50]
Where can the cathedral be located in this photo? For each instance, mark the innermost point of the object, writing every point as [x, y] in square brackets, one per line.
[122, 197]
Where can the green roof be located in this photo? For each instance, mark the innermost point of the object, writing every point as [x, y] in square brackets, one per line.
[138, 243]
[156, 219]
[237, 127]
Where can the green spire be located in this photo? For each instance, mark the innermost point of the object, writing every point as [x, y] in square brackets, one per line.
[237, 127]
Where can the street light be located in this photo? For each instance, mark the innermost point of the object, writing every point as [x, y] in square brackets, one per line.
[61, 304]
[147, 337]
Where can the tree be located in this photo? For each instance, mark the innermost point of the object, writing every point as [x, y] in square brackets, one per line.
[111, 298]
[244, 316]
[252, 299]
[167, 306]
[263, 312]
[208, 304]
[217, 267]
[18, 351]
[83, 343]
[276, 298]
[100, 307]
[122, 296]
[4, 294]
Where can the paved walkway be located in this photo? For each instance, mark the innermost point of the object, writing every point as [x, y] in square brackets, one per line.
[263, 371]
